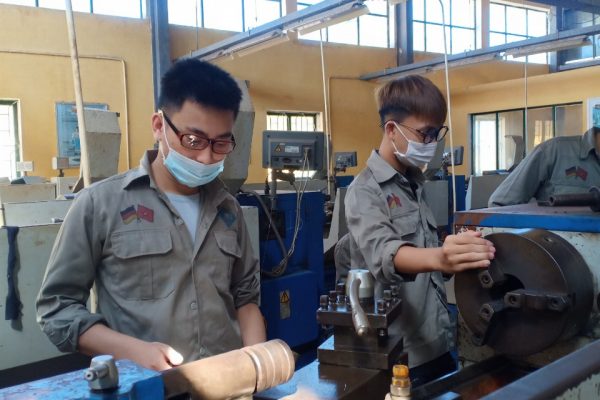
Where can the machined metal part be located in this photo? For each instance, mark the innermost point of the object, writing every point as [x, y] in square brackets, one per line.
[359, 318]
[234, 374]
[379, 348]
[537, 290]
[102, 373]
[366, 289]
[591, 199]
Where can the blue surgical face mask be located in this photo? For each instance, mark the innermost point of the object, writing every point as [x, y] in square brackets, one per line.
[189, 172]
[417, 154]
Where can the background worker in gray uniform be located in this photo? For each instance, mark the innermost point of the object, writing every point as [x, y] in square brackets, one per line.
[566, 164]
[165, 243]
[393, 231]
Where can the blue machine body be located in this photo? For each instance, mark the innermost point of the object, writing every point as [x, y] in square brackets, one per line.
[135, 383]
[289, 302]
[574, 219]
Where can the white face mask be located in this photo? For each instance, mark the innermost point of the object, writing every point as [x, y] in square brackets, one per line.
[417, 154]
[189, 172]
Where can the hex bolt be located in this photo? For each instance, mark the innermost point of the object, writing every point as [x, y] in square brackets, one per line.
[324, 301]
[395, 290]
[381, 306]
[332, 296]
[491, 277]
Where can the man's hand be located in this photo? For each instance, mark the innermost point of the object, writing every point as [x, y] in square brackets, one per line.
[466, 250]
[100, 339]
[157, 356]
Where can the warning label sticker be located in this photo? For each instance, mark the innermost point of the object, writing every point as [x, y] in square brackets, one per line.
[284, 304]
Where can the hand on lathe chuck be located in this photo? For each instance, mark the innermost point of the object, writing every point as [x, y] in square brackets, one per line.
[466, 250]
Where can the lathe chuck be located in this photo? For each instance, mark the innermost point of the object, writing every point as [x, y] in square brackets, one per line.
[536, 291]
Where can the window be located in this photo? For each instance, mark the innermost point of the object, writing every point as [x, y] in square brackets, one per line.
[293, 121]
[229, 15]
[497, 135]
[428, 25]
[514, 23]
[122, 8]
[373, 29]
[579, 19]
[9, 139]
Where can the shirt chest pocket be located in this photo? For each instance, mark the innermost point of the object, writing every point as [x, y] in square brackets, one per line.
[227, 251]
[141, 269]
[408, 224]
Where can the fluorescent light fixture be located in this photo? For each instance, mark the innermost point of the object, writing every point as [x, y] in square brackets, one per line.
[332, 17]
[394, 2]
[261, 45]
[557, 45]
[250, 46]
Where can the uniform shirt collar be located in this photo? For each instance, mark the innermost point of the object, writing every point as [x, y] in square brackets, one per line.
[588, 143]
[383, 171]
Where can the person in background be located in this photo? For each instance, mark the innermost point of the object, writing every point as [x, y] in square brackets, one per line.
[165, 244]
[565, 164]
[392, 231]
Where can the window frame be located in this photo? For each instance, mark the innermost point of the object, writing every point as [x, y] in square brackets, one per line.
[17, 135]
[497, 113]
[450, 26]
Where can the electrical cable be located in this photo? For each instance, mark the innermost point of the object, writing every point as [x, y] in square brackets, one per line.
[449, 109]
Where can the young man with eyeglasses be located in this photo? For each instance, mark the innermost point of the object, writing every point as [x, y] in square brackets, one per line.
[392, 231]
[165, 244]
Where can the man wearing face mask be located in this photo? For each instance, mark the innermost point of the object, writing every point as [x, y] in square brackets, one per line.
[165, 243]
[392, 231]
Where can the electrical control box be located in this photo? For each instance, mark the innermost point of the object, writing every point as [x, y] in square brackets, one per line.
[293, 150]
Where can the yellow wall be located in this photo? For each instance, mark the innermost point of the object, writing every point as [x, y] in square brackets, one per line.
[117, 69]
[35, 68]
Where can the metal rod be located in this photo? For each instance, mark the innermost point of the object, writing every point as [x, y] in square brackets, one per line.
[84, 167]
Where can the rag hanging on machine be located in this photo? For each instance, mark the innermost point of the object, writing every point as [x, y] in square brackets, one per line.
[13, 303]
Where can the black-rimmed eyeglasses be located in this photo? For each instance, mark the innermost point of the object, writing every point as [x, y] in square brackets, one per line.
[197, 142]
[430, 134]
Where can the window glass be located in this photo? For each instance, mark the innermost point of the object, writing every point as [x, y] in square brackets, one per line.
[484, 143]
[344, 32]
[123, 8]
[77, 5]
[463, 13]
[419, 10]
[19, 2]
[536, 23]
[418, 36]
[516, 20]
[497, 21]
[435, 38]
[259, 12]
[539, 126]
[497, 39]
[462, 40]
[223, 14]
[184, 12]
[514, 38]
[377, 7]
[433, 12]
[373, 31]
[568, 120]
[510, 130]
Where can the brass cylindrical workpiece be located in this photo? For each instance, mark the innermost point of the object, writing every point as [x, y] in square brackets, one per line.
[233, 374]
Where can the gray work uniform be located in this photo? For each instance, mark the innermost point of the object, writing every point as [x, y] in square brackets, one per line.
[566, 164]
[153, 281]
[385, 211]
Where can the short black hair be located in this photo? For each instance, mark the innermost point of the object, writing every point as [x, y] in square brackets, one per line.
[200, 82]
[412, 95]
